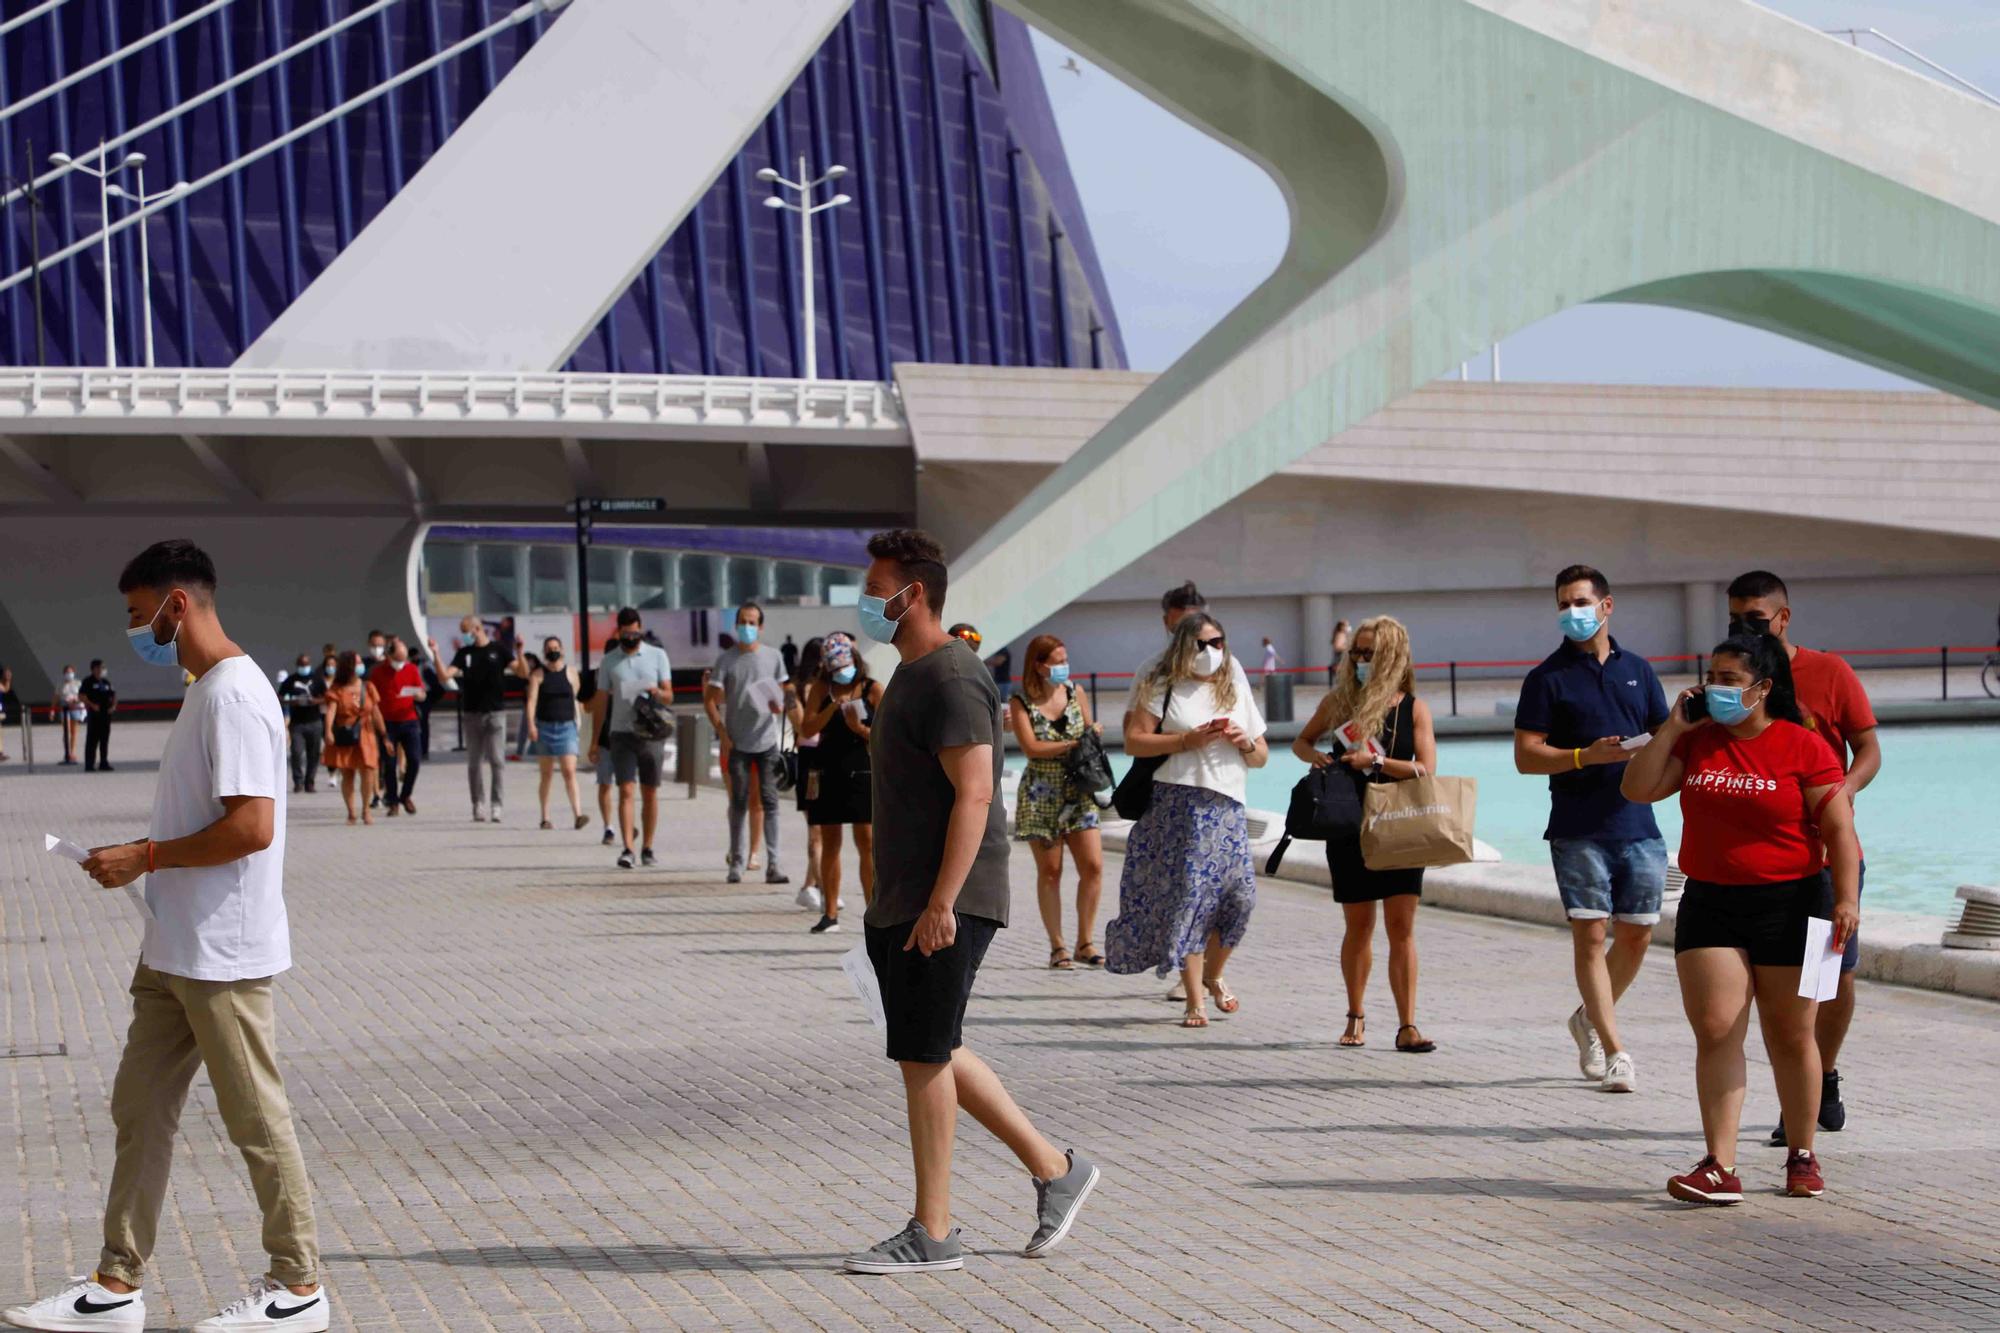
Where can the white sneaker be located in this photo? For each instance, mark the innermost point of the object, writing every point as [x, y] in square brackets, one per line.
[1589, 1050]
[496, 812]
[1619, 1075]
[809, 898]
[82, 1305]
[270, 1305]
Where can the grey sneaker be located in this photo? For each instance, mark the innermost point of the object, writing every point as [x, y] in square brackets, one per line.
[911, 1250]
[1057, 1202]
[1589, 1049]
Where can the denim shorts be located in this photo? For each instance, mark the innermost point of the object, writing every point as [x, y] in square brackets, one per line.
[555, 739]
[1621, 879]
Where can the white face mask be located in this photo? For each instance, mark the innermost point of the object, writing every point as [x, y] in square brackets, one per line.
[1208, 661]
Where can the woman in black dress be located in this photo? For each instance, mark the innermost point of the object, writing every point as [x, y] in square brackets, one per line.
[1374, 698]
[839, 709]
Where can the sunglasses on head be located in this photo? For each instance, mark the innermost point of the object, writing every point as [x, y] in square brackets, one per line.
[971, 636]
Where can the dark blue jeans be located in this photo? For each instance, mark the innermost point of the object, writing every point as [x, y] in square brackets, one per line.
[408, 738]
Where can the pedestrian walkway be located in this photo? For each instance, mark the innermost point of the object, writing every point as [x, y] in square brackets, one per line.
[539, 1093]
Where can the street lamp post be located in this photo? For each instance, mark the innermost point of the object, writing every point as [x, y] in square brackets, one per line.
[104, 188]
[141, 199]
[806, 209]
[27, 191]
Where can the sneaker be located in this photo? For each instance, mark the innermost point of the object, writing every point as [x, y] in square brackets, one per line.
[82, 1305]
[609, 837]
[1589, 1050]
[1057, 1202]
[272, 1305]
[1832, 1110]
[776, 876]
[735, 876]
[494, 817]
[625, 861]
[1802, 1176]
[1777, 1139]
[810, 899]
[646, 857]
[1709, 1182]
[911, 1250]
[827, 925]
[1619, 1074]
[479, 815]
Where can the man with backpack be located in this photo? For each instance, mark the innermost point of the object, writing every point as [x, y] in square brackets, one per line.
[638, 684]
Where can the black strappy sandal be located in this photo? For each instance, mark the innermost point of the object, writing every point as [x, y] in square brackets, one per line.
[1088, 954]
[1059, 960]
[1424, 1047]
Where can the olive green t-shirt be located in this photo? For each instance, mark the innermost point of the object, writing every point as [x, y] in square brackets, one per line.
[941, 701]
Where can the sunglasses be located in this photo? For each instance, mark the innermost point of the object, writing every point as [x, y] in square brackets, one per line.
[1362, 654]
[972, 637]
[1215, 642]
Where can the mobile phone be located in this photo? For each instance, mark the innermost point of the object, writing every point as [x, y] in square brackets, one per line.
[1696, 708]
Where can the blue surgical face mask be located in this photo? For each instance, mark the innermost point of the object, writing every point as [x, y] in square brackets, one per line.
[1579, 623]
[1362, 670]
[151, 651]
[1725, 704]
[747, 633]
[844, 676]
[1059, 674]
[875, 622]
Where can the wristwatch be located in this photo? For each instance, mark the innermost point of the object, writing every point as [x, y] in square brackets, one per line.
[1376, 767]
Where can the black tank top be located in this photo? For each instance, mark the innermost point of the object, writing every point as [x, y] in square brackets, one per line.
[557, 701]
[840, 748]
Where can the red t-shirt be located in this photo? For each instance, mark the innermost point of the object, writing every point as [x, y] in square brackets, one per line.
[390, 681]
[1744, 814]
[1831, 697]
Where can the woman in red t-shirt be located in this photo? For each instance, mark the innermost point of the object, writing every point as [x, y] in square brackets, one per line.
[1763, 813]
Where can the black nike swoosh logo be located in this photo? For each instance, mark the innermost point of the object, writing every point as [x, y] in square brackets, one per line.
[85, 1305]
[275, 1312]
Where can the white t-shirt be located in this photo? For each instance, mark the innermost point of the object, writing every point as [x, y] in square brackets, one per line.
[227, 922]
[1217, 766]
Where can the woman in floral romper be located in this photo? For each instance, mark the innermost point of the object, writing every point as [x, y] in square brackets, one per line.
[1051, 812]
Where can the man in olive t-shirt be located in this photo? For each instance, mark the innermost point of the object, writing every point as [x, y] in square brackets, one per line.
[941, 893]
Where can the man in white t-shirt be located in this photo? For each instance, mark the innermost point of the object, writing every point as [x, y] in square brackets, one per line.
[215, 937]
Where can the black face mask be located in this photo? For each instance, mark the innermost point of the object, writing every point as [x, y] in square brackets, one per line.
[630, 642]
[1750, 624]
[552, 657]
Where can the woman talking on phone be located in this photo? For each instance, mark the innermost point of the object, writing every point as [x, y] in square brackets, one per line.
[1764, 815]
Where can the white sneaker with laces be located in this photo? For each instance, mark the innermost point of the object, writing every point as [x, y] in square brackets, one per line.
[1620, 1075]
[1589, 1050]
[270, 1304]
[809, 898]
[82, 1307]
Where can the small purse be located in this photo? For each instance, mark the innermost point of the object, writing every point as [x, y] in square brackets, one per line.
[348, 735]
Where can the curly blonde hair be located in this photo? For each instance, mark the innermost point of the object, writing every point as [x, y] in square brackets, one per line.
[1368, 706]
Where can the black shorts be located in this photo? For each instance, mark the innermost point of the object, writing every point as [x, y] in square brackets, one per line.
[1768, 921]
[633, 759]
[924, 998]
[843, 795]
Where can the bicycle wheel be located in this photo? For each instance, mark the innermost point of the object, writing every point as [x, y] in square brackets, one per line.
[1989, 677]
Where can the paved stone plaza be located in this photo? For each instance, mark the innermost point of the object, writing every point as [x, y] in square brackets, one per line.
[537, 1092]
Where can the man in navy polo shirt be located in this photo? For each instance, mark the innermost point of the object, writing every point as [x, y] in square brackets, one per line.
[1576, 710]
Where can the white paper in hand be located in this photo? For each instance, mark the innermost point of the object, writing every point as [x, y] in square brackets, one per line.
[1819, 976]
[765, 694]
[69, 851]
[861, 975]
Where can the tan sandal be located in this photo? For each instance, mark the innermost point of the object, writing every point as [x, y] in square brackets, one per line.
[1357, 1031]
[1225, 1000]
[1195, 1017]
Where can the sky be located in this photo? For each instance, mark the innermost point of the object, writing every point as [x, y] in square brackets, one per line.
[1186, 227]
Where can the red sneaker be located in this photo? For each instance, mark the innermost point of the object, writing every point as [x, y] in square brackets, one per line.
[1802, 1177]
[1709, 1182]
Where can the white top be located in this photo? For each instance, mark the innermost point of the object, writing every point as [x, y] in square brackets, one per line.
[227, 922]
[628, 675]
[1217, 766]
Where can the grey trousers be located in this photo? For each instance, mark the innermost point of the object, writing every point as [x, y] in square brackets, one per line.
[485, 752]
[739, 806]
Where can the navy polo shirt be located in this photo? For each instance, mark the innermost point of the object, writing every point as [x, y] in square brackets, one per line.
[1575, 700]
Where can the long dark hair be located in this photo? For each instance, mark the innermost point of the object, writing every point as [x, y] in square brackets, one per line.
[347, 667]
[809, 653]
[1767, 660]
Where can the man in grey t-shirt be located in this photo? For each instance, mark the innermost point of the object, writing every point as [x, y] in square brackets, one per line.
[941, 893]
[746, 698]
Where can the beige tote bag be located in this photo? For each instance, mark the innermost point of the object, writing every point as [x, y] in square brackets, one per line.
[1418, 824]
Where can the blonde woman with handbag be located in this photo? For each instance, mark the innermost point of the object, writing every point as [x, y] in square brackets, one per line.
[1374, 699]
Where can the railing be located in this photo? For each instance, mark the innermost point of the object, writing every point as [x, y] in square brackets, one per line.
[1854, 36]
[63, 393]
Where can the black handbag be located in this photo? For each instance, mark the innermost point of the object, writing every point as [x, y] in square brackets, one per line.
[1133, 796]
[1087, 765]
[1325, 807]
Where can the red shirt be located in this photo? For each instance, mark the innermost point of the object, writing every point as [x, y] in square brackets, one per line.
[390, 681]
[1831, 697]
[1744, 814]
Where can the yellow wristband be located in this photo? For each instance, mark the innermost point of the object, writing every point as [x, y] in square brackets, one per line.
[1577, 755]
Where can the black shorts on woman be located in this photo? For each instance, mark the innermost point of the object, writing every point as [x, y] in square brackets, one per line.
[1767, 921]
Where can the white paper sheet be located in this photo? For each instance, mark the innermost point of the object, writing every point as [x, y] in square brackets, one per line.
[1638, 742]
[1819, 977]
[861, 975]
[765, 693]
[69, 851]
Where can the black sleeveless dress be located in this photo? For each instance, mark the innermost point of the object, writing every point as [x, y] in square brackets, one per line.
[843, 780]
[1353, 881]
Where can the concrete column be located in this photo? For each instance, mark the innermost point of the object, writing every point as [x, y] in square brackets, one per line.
[1704, 616]
[1316, 624]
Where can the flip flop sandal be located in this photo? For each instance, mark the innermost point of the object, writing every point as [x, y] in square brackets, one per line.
[1357, 1038]
[1420, 1047]
[1059, 960]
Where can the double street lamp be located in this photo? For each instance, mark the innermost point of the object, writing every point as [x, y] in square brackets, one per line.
[142, 199]
[106, 192]
[806, 209]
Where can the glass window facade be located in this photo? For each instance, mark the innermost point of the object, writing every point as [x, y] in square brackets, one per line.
[499, 588]
[652, 581]
[552, 578]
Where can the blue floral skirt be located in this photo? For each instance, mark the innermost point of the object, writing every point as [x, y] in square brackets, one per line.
[1187, 871]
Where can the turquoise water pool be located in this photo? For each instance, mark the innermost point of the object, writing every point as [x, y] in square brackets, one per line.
[1929, 823]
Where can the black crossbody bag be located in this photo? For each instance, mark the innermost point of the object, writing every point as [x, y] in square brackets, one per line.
[1133, 796]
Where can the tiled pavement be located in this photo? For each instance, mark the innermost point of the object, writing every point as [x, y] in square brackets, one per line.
[540, 1093]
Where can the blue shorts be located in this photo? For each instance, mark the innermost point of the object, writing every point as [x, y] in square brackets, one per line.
[1852, 958]
[555, 739]
[1622, 879]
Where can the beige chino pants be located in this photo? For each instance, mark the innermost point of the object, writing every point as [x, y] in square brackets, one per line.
[178, 1025]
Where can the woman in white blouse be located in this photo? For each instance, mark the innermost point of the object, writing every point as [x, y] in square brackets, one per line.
[1188, 884]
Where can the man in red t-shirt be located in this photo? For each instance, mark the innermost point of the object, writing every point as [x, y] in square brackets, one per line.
[1835, 706]
[401, 686]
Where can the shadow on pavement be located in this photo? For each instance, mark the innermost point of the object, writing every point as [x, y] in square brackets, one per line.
[1466, 1187]
[603, 1259]
[1512, 1133]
